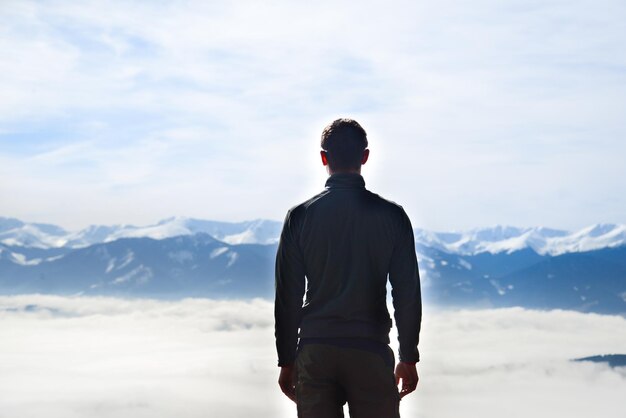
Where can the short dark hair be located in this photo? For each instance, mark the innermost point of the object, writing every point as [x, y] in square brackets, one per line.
[344, 141]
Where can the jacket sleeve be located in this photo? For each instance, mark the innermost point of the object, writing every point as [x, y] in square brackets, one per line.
[406, 292]
[290, 285]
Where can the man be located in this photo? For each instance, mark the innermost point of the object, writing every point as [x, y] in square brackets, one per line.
[336, 250]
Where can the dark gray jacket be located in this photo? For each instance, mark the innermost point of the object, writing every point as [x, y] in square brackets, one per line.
[340, 246]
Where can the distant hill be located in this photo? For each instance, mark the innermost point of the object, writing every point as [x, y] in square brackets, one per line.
[178, 257]
[613, 360]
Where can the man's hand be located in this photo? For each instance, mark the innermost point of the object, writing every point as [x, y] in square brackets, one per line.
[408, 373]
[287, 381]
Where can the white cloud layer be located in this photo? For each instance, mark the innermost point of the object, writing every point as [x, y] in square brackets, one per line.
[143, 110]
[81, 357]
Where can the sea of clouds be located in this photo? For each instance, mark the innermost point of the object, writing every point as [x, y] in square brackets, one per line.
[76, 357]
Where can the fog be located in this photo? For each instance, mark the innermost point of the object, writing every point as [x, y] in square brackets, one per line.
[107, 357]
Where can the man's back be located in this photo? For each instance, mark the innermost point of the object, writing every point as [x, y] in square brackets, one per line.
[347, 239]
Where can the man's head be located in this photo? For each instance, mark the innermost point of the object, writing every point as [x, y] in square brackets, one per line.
[344, 145]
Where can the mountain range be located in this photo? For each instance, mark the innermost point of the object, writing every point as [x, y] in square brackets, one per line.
[489, 267]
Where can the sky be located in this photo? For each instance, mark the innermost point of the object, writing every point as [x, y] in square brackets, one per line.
[478, 113]
[107, 357]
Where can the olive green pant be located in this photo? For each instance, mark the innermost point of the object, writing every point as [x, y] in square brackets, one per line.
[329, 376]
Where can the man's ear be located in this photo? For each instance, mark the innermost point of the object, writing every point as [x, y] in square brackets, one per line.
[366, 154]
[324, 157]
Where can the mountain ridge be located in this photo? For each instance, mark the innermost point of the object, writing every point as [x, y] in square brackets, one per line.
[493, 239]
[198, 264]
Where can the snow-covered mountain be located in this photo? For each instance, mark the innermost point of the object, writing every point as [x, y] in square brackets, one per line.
[494, 240]
[197, 265]
[177, 257]
[508, 239]
[17, 233]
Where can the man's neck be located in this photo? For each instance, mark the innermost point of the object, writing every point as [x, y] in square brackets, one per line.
[331, 172]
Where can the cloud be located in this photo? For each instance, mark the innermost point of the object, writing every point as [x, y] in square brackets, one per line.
[98, 357]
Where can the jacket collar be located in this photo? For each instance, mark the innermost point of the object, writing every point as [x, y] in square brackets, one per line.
[345, 181]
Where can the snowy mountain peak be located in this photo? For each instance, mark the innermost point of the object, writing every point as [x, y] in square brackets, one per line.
[496, 233]
[16, 232]
[173, 220]
[7, 224]
[598, 230]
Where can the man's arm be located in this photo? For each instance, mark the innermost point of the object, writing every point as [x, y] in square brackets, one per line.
[407, 303]
[290, 283]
